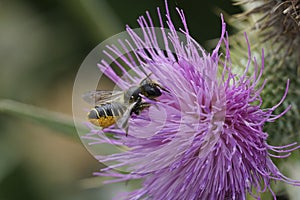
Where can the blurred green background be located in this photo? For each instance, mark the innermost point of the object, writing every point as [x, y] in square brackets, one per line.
[42, 44]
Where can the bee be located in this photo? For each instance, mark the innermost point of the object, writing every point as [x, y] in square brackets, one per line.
[116, 107]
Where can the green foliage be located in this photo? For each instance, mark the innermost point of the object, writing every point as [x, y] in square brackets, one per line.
[57, 121]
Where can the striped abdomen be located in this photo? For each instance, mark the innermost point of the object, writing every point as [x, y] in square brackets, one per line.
[106, 115]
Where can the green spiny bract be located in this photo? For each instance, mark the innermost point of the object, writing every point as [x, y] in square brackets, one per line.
[275, 27]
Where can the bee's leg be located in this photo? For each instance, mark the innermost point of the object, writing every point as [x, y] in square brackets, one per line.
[142, 106]
[126, 131]
[139, 107]
[136, 107]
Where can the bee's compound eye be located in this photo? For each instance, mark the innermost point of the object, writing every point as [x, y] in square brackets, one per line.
[152, 91]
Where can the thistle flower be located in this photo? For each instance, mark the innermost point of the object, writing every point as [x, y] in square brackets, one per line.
[279, 23]
[211, 143]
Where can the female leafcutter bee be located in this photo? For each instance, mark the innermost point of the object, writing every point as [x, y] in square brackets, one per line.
[115, 107]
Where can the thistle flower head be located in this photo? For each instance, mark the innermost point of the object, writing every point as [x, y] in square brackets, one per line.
[279, 23]
[202, 140]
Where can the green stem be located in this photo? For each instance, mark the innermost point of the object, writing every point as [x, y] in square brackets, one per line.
[62, 123]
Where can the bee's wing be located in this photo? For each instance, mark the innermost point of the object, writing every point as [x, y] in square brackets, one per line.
[102, 96]
[122, 123]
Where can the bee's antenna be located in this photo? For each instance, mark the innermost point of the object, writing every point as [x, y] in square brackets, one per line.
[148, 76]
[143, 70]
[164, 89]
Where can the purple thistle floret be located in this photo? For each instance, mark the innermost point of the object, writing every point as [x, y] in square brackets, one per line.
[202, 140]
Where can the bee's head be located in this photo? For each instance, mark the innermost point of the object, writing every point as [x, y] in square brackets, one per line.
[152, 89]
